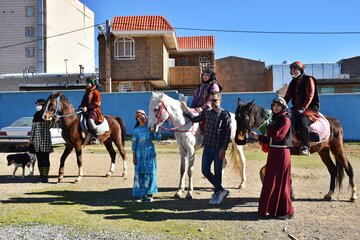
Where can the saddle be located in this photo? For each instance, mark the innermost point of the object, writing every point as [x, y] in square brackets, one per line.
[319, 131]
[101, 128]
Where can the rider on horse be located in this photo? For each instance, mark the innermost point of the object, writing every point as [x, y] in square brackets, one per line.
[303, 93]
[90, 104]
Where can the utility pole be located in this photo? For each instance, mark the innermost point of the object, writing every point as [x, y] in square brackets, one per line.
[108, 57]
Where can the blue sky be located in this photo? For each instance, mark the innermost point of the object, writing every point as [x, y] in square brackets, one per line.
[255, 15]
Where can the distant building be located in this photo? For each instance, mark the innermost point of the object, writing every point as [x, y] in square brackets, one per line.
[35, 36]
[145, 55]
[237, 74]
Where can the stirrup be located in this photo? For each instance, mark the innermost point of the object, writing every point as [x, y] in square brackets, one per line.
[304, 151]
[95, 140]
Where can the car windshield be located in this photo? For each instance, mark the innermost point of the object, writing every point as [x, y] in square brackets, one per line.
[22, 122]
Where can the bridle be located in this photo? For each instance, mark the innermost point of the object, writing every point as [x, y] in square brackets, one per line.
[59, 110]
[161, 111]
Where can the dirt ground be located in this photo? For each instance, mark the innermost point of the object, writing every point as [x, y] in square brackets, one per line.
[314, 218]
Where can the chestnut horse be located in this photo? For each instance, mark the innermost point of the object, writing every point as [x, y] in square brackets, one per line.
[59, 106]
[250, 116]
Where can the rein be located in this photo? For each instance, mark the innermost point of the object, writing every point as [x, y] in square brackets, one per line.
[158, 115]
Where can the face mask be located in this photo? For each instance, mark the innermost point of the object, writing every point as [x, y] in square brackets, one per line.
[38, 108]
[295, 75]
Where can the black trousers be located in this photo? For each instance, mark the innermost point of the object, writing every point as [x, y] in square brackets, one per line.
[301, 126]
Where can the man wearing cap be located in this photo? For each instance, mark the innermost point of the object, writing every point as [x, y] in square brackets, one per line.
[303, 93]
[41, 140]
[90, 104]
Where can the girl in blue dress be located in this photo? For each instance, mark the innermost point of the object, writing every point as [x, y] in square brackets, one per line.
[144, 159]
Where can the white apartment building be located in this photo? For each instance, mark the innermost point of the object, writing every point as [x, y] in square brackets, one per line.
[46, 36]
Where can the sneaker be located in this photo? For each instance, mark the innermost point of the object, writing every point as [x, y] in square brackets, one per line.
[214, 199]
[222, 195]
[138, 200]
[304, 150]
[95, 140]
[149, 199]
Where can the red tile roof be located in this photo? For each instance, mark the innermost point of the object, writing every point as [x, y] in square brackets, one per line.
[131, 23]
[196, 42]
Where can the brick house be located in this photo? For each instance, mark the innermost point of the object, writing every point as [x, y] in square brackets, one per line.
[146, 55]
[237, 74]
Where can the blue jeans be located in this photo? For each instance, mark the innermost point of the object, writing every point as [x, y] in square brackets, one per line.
[211, 154]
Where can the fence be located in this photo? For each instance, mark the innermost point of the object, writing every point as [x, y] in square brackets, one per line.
[20, 104]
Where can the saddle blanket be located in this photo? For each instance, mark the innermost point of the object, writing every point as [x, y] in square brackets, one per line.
[319, 131]
[101, 128]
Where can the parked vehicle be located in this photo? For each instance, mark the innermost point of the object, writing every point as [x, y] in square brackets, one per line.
[17, 134]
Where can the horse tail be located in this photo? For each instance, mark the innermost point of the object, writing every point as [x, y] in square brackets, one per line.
[339, 174]
[236, 158]
[123, 129]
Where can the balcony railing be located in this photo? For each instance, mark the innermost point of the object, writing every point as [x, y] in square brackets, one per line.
[184, 75]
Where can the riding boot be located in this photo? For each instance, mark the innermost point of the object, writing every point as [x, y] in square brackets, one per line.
[305, 139]
[92, 128]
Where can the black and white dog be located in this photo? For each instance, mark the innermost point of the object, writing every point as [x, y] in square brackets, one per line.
[21, 160]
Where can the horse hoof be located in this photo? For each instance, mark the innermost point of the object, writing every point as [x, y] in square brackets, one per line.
[108, 174]
[328, 198]
[242, 186]
[60, 180]
[124, 174]
[189, 196]
[177, 196]
[77, 180]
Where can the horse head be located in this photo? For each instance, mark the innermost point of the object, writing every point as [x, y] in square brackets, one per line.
[52, 106]
[158, 112]
[244, 121]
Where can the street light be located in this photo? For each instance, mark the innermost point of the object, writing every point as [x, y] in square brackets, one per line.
[106, 32]
[66, 70]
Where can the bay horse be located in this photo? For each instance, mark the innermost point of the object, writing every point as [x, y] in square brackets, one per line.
[250, 116]
[188, 137]
[58, 105]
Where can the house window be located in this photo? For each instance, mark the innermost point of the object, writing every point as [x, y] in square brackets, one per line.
[182, 61]
[357, 89]
[204, 61]
[124, 49]
[327, 89]
[126, 87]
[30, 52]
[30, 11]
[29, 31]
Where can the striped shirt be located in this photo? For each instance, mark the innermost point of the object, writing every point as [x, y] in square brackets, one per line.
[217, 128]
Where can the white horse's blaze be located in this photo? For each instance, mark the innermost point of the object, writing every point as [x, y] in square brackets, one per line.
[161, 108]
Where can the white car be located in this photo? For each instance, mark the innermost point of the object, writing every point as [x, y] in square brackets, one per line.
[18, 133]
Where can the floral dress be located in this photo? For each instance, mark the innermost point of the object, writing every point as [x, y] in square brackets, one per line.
[145, 176]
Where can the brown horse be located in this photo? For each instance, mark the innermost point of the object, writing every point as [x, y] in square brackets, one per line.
[59, 106]
[250, 116]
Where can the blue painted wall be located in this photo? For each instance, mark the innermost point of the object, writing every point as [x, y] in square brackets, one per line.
[19, 104]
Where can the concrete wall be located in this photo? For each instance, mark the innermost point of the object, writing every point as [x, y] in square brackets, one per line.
[19, 104]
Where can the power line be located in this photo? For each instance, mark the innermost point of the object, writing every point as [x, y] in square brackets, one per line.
[39, 39]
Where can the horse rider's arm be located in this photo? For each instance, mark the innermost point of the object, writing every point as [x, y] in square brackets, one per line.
[198, 118]
[310, 92]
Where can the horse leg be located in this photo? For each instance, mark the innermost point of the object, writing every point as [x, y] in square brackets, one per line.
[112, 153]
[191, 157]
[340, 156]
[123, 156]
[65, 154]
[78, 152]
[325, 157]
[181, 189]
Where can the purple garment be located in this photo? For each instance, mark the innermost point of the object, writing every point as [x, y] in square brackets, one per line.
[202, 95]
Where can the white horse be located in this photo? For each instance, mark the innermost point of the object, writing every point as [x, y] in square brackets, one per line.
[189, 138]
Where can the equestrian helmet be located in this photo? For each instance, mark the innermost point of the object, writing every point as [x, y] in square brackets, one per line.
[281, 101]
[91, 80]
[299, 65]
[40, 101]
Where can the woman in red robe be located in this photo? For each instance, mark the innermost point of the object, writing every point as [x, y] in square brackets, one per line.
[275, 200]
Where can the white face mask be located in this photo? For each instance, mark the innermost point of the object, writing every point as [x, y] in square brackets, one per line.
[38, 108]
[296, 73]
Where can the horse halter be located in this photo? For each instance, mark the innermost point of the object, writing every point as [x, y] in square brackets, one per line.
[59, 110]
[159, 113]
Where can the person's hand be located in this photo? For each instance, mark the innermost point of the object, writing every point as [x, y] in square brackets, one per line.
[254, 134]
[84, 109]
[222, 153]
[184, 106]
[199, 109]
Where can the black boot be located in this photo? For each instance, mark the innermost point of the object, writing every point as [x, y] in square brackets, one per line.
[305, 139]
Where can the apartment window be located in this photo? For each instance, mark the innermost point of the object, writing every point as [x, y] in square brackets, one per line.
[30, 11]
[182, 61]
[126, 87]
[327, 89]
[357, 89]
[124, 49]
[29, 31]
[30, 52]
